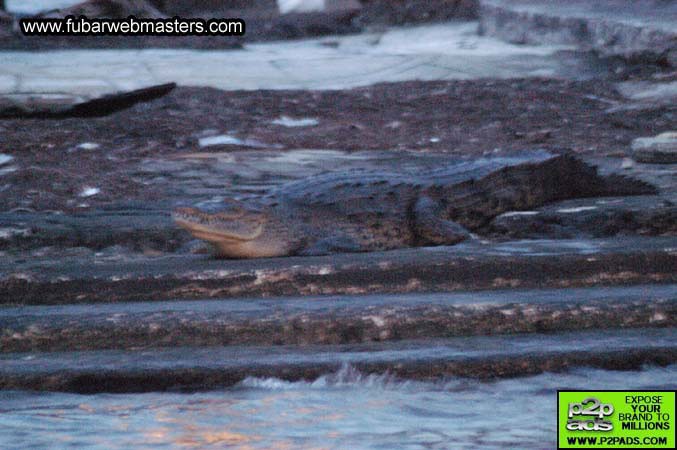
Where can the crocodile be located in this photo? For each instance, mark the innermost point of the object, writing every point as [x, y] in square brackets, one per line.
[364, 210]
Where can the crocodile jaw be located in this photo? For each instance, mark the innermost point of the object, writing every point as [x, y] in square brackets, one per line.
[213, 234]
[254, 243]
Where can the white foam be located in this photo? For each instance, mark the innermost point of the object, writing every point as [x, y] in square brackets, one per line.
[88, 191]
[10, 232]
[224, 139]
[88, 146]
[575, 210]
[291, 122]
[520, 213]
[4, 159]
[345, 376]
[8, 169]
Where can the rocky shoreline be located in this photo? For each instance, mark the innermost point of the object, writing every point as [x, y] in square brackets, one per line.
[101, 292]
[534, 264]
[80, 222]
[335, 320]
[264, 22]
[207, 368]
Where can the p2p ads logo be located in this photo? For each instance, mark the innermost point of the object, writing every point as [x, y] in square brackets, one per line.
[615, 419]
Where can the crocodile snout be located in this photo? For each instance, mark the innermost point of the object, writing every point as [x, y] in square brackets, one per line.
[215, 227]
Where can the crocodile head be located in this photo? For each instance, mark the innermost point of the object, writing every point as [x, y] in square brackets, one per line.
[239, 234]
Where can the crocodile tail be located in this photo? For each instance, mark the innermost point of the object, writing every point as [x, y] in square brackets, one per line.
[571, 177]
[616, 185]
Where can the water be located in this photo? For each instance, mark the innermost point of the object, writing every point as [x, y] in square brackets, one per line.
[36, 6]
[344, 409]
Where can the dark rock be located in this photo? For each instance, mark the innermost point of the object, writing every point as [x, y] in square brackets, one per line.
[58, 106]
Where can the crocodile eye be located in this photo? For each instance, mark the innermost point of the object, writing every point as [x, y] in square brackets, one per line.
[236, 214]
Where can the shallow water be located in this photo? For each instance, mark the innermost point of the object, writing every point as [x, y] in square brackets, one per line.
[340, 410]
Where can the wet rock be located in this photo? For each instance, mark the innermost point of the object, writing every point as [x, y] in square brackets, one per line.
[469, 266]
[398, 12]
[6, 24]
[345, 320]
[660, 149]
[98, 229]
[639, 32]
[209, 368]
[524, 224]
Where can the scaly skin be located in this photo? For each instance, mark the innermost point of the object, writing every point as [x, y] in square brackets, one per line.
[372, 211]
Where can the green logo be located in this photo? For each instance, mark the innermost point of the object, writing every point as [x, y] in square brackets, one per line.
[615, 419]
